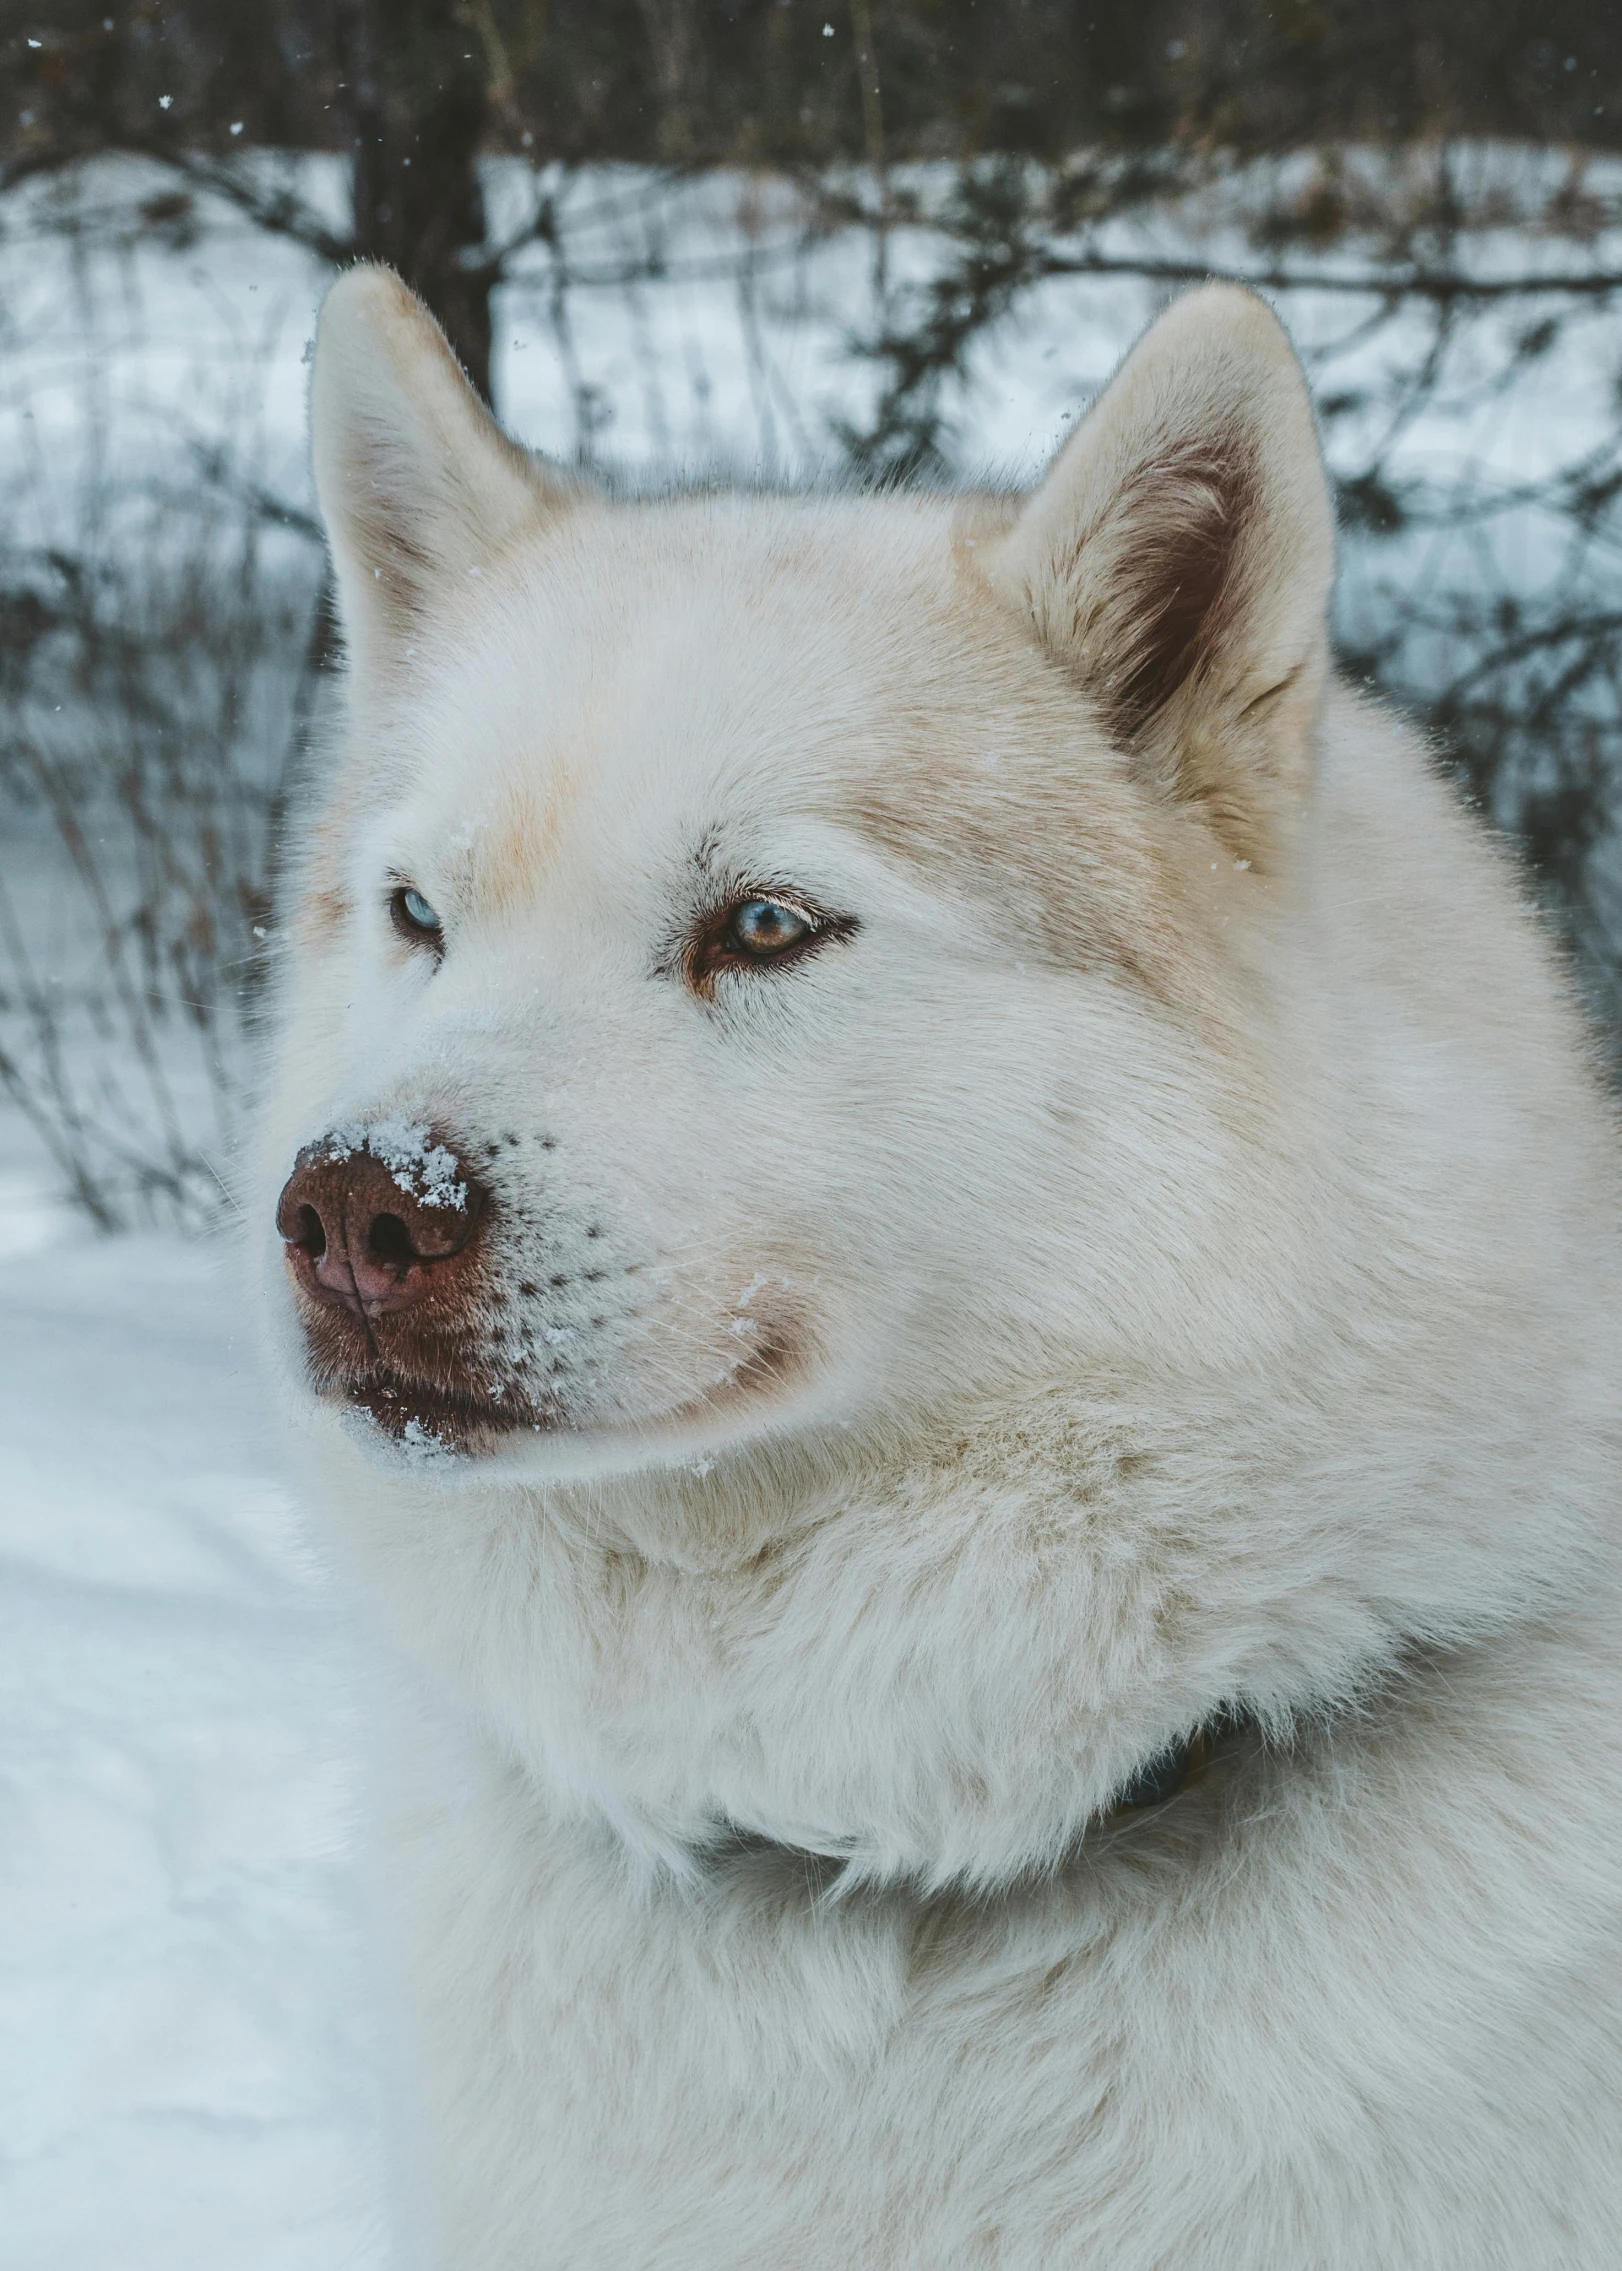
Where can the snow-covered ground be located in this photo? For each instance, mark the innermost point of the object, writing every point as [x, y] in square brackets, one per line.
[188, 2079]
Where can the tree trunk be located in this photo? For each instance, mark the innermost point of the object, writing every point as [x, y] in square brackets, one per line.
[416, 86]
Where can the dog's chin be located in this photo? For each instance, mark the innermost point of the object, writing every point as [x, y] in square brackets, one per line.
[455, 1435]
[410, 1416]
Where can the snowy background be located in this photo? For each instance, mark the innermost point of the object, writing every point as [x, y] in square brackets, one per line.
[190, 2075]
[188, 2080]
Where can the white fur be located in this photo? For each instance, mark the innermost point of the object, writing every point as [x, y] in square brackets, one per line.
[1195, 1220]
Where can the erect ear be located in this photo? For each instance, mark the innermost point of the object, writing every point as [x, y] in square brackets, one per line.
[418, 485]
[1177, 560]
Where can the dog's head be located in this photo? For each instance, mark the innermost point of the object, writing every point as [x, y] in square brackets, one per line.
[781, 965]
[892, 1091]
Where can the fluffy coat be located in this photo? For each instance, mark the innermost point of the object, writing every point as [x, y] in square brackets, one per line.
[1156, 1261]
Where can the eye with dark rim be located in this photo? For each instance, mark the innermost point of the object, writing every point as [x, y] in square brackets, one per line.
[415, 920]
[765, 931]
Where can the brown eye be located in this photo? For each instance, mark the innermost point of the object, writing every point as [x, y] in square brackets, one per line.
[762, 928]
[415, 920]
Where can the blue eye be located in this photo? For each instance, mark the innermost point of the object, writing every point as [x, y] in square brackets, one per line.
[762, 928]
[761, 932]
[414, 919]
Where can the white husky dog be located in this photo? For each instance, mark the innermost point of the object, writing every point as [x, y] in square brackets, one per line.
[952, 1267]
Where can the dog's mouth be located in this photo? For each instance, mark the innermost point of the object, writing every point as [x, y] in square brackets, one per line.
[420, 1391]
[431, 1418]
[430, 1393]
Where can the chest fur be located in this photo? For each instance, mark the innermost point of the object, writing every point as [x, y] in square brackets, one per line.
[1285, 2020]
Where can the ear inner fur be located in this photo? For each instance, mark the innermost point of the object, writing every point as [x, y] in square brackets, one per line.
[1151, 565]
[1188, 507]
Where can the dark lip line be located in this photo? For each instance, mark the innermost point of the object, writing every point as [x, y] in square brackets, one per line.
[470, 1423]
[394, 1401]
[394, 1404]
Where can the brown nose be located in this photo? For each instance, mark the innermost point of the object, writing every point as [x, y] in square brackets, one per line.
[371, 1217]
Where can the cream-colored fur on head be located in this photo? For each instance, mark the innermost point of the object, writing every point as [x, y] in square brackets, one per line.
[419, 487]
[1151, 1263]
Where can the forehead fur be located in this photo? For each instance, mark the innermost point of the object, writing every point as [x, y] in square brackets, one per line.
[638, 674]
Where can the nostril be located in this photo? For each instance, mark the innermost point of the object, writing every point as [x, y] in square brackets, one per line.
[389, 1241]
[301, 1227]
[366, 1226]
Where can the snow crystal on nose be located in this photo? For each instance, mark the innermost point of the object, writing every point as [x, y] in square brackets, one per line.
[426, 1171]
